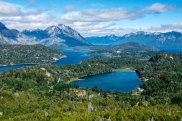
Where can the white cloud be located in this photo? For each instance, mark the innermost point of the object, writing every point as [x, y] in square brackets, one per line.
[93, 15]
[158, 8]
[114, 14]
[15, 16]
[9, 9]
[100, 22]
[167, 27]
[91, 22]
[99, 28]
[91, 28]
[41, 20]
[105, 28]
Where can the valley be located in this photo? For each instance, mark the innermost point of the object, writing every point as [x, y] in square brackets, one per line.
[45, 89]
[67, 78]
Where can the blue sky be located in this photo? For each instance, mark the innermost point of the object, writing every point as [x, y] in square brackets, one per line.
[94, 17]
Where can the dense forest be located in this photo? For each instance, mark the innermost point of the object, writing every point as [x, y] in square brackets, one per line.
[44, 93]
[163, 76]
[21, 54]
[126, 48]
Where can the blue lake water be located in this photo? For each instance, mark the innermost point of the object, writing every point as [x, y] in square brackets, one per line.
[115, 82]
[171, 49]
[73, 57]
[11, 67]
[77, 56]
[118, 81]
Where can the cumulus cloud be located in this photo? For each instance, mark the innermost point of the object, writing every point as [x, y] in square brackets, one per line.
[99, 28]
[112, 29]
[91, 28]
[105, 28]
[167, 27]
[114, 14]
[31, 21]
[92, 22]
[158, 8]
[9, 9]
[93, 15]
[15, 16]
[32, 18]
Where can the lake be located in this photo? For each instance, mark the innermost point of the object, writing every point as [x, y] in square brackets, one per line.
[119, 81]
[11, 67]
[171, 49]
[77, 56]
[73, 57]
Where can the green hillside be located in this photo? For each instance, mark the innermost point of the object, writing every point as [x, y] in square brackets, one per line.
[21, 54]
[44, 93]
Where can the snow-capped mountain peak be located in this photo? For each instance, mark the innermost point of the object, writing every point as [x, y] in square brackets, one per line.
[58, 34]
[53, 30]
[64, 27]
[61, 29]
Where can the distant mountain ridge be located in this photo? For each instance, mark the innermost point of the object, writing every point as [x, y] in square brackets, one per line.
[104, 40]
[57, 35]
[13, 36]
[161, 40]
[61, 35]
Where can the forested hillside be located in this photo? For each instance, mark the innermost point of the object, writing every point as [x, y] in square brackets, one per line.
[130, 48]
[21, 54]
[44, 93]
[163, 76]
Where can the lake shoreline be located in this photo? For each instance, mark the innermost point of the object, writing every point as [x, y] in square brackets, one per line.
[33, 63]
[125, 69]
[124, 81]
[73, 79]
[115, 70]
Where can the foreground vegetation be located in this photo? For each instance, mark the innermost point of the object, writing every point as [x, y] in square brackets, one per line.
[163, 76]
[21, 54]
[42, 92]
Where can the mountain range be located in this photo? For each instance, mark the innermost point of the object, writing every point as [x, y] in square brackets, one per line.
[13, 36]
[59, 35]
[171, 39]
[104, 40]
